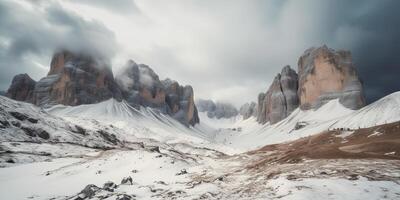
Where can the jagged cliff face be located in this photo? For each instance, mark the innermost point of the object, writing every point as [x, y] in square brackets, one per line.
[180, 102]
[21, 88]
[141, 86]
[326, 74]
[323, 75]
[75, 79]
[280, 99]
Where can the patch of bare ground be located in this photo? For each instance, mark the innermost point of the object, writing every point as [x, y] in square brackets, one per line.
[369, 153]
[379, 142]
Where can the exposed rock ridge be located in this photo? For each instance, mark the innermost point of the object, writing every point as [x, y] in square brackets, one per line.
[323, 75]
[280, 99]
[75, 79]
[141, 86]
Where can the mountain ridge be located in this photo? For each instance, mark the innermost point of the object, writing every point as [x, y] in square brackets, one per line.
[76, 79]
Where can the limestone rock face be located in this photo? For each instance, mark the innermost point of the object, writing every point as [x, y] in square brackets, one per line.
[75, 79]
[141, 86]
[218, 110]
[281, 98]
[180, 102]
[21, 88]
[326, 74]
[248, 110]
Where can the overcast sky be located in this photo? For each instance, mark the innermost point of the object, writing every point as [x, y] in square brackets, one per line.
[228, 50]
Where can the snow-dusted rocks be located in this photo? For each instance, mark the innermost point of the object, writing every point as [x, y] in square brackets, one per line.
[326, 74]
[20, 121]
[21, 88]
[281, 98]
[78, 78]
[127, 181]
[141, 86]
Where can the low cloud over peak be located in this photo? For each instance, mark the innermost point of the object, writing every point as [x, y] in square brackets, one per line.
[228, 51]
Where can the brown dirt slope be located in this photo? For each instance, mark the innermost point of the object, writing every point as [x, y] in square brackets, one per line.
[379, 142]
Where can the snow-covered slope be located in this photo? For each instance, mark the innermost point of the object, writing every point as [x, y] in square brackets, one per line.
[25, 122]
[383, 111]
[97, 143]
[145, 123]
[229, 135]
[300, 123]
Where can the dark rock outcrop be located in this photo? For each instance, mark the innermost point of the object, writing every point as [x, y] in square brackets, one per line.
[21, 88]
[248, 110]
[326, 74]
[109, 186]
[218, 110]
[88, 192]
[180, 101]
[127, 181]
[76, 79]
[281, 98]
[141, 86]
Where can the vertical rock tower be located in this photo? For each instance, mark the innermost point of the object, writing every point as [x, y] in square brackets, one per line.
[326, 74]
[323, 75]
[281, 98]
[75, 79]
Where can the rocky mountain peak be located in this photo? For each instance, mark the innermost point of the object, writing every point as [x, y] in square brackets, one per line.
[280, 99]
[326, 74]
[141, 86]
[21, 88]
[75, 79]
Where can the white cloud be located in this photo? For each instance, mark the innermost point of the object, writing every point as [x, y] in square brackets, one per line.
[227, 50]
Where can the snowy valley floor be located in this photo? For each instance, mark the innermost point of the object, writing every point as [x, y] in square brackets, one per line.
[182, 171]
[90, 152]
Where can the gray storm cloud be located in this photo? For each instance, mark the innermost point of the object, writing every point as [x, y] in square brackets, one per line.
[30, 33]
[227, 50]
